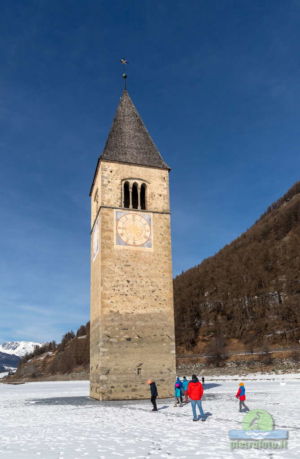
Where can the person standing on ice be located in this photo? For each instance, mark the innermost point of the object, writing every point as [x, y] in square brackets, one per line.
[195, 392]
[177, 392]
[185, 384]
[154, 393]
[241, 395]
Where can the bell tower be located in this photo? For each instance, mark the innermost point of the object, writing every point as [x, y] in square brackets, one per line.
[132, 317]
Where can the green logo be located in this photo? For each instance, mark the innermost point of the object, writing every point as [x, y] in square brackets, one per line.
[258, 420]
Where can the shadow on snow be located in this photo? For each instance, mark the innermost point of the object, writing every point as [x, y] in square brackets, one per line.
[87, 401]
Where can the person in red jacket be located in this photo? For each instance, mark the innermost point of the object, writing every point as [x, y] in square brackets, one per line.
[195, 393]
[241, 394]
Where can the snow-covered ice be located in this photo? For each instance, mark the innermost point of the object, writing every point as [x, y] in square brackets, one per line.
[58, 420]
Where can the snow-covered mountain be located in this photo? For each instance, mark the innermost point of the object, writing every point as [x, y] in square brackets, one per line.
[19, 348]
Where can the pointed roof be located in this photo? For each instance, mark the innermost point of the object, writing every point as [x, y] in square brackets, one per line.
[128, 140]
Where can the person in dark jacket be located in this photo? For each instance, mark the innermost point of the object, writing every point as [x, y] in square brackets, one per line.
[195, 392]
[154, 393]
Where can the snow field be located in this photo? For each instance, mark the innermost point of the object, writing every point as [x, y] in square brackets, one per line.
[58, 420]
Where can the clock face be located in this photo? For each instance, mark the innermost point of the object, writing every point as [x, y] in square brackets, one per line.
[133, 229]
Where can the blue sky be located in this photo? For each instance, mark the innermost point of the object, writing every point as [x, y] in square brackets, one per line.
[217, 83]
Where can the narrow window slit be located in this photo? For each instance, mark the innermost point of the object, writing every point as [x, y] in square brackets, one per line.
[143, 196]
[126, 198]
[135, 199]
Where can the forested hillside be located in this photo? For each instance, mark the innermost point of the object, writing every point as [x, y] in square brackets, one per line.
[246, 297]
[52, 360]
[249, 292]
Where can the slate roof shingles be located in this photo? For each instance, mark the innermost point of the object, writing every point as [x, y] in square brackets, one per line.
[128, 140]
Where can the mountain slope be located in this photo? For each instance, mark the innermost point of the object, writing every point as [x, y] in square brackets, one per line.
[66, 360]
[19, 348]
[249, 292]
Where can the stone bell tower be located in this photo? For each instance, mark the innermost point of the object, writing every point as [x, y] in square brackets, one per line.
[132, 317]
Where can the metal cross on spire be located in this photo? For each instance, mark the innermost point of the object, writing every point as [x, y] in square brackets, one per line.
[124, 75]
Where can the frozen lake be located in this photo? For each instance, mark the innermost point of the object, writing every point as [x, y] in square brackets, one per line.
[58, 420]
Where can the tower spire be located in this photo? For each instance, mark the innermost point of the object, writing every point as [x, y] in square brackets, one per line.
[129, 141]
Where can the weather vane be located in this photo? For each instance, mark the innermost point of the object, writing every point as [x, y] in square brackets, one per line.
[124, 75]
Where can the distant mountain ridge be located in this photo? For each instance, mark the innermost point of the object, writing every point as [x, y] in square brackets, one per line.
[18, 348]
[249, 292]
[8, 361]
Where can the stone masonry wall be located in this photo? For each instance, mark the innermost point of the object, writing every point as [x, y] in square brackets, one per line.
[132, 318]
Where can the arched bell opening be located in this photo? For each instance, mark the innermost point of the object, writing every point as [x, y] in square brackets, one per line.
[143, 196]
[126, 195]
[135, 196]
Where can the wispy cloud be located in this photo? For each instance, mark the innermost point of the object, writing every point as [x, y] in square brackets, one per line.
[37, 310]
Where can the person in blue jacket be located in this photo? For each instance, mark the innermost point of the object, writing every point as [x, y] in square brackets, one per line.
[185, 384]
[241, 395]
[177, 392]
